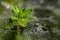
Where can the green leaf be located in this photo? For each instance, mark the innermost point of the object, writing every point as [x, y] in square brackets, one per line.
[9, 26]
[28, 11]
[15, 9]
[23, 22]
[14, 18]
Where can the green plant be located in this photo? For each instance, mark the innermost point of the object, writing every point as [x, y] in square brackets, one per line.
[20, 17]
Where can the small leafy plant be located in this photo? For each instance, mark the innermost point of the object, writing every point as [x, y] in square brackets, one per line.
[20, 17]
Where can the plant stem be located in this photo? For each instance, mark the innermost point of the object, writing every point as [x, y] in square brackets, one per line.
[18, 32]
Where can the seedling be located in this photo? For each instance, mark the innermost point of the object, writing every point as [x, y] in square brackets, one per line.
[19, 18]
